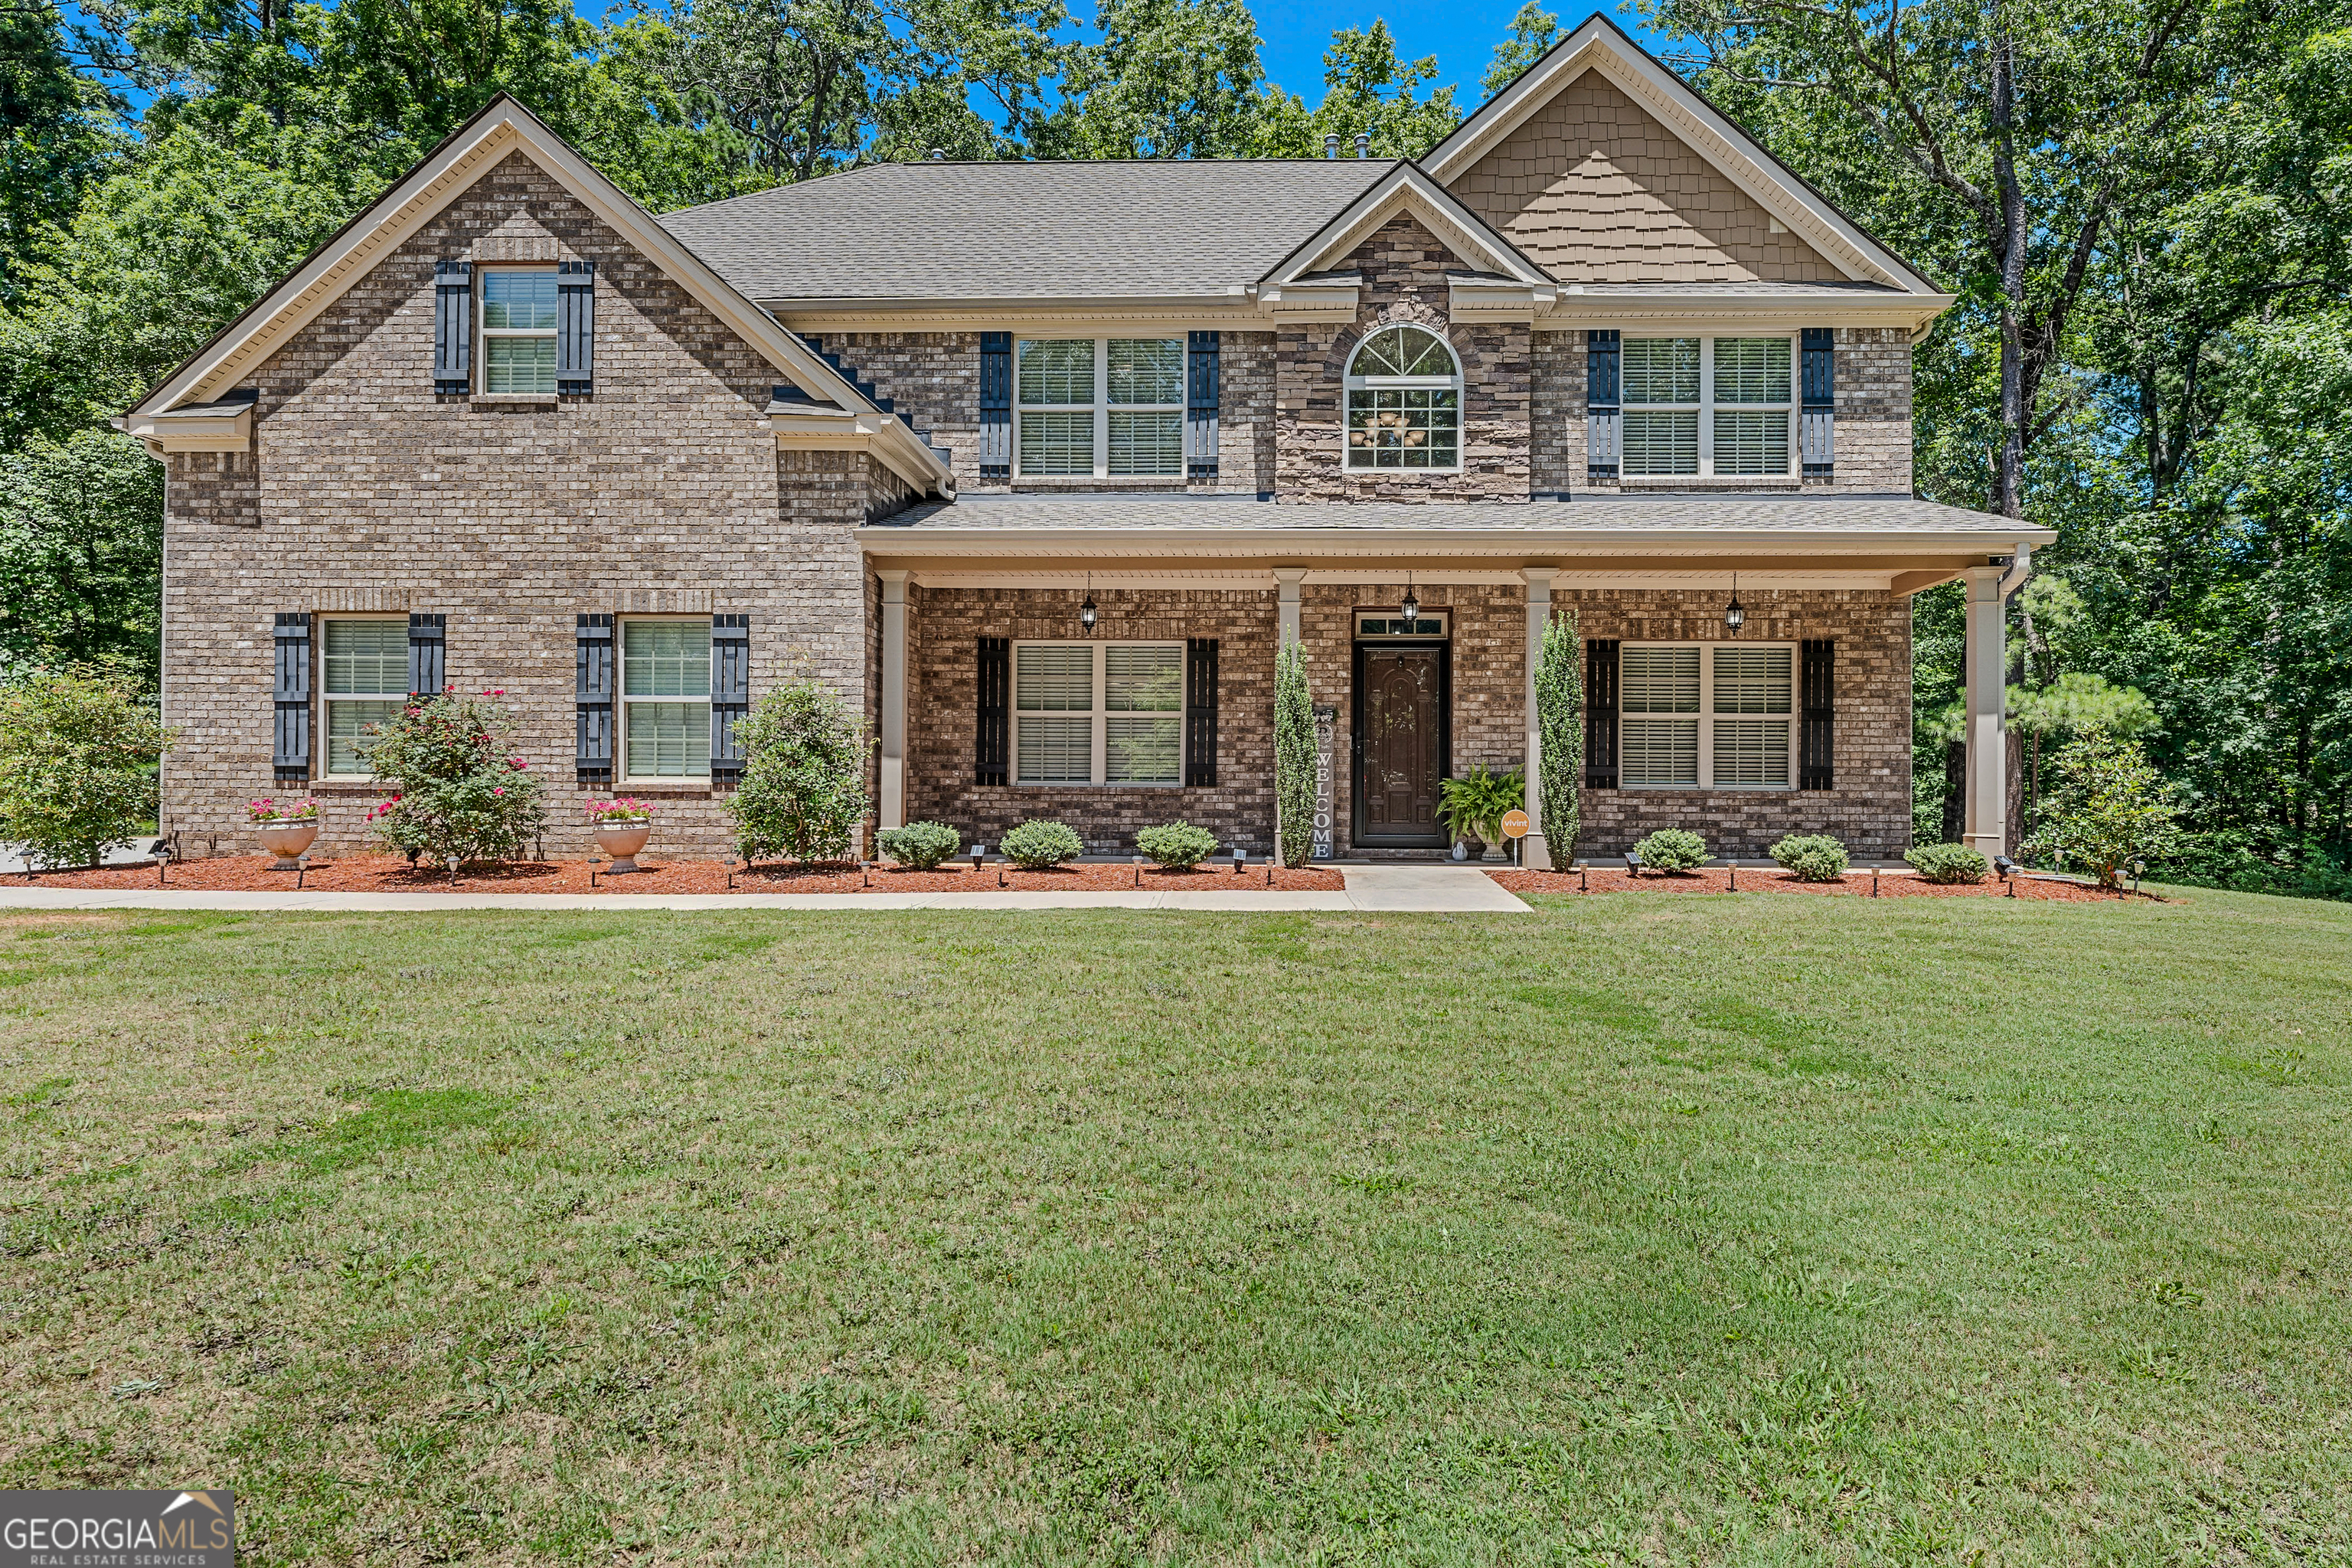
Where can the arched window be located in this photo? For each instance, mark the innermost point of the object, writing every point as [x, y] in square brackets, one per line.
[1405, 402]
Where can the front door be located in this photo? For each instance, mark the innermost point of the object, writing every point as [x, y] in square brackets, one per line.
[1401, 744]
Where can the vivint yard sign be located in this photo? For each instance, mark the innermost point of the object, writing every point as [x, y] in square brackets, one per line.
[118, 1530]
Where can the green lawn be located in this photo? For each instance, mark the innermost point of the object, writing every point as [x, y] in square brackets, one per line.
[1675, 1229]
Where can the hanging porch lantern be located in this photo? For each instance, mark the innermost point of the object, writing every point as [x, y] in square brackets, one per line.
[1733, 616]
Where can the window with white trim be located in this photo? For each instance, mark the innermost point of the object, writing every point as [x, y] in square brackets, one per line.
[1405, 402]
[1097, 713]
[1711, 717]
[518, 331]
[364, 681]
[665, 698]
[1101, 406]
[1708, 407]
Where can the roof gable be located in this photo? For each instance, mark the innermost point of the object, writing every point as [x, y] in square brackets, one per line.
[1406, 191]
[503, 128]
[1666, 178]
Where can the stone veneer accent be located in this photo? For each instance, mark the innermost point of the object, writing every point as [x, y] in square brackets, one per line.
[1870, 808]
[661, 493]
[1874, 417]
[1406, 270]
[934, 379]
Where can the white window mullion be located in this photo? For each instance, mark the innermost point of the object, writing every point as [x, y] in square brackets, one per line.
[1707, 651]
[1101, 715]
[1706, 461]
[1102, 461]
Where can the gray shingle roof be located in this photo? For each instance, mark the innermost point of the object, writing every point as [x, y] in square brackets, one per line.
[1017, 231]
[1665, 514]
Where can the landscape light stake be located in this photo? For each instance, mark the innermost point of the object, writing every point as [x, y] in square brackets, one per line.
[1581, 871]
[1138, 870]
[1874, 881]
[1734, 866]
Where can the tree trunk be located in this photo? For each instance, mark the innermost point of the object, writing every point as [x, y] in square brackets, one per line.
[1956, 789]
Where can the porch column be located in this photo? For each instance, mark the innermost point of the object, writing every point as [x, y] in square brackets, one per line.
[1535, 855]
[1285, 584]
[894, 699]
[1986, 816]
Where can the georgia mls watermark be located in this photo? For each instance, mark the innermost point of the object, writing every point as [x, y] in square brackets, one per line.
[118, 1530]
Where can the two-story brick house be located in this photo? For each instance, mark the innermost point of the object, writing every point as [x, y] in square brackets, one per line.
[1039, 462]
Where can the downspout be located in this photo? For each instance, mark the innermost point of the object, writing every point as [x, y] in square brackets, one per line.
[2020, 568]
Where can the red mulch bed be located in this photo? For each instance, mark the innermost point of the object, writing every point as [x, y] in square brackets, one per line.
[1718, 879]
[392, 874]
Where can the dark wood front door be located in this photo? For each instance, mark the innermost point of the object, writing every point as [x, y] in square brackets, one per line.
[1401, 744]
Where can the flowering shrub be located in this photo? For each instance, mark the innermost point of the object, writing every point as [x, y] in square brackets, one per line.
[620, 809]
[269, 809]
[458, 787]
[804, 789]
[79, 749]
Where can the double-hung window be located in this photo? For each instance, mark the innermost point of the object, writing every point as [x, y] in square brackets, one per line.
[1708, 407]
[518, 331]
[665, 698]
[1098, 714]
[364, 679]
[1103, 407]
[1712, 717]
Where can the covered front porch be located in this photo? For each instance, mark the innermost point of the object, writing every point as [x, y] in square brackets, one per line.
[1107, 662]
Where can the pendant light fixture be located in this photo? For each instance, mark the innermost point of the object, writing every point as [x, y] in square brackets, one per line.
[1411, 608]
[1086, 611]
[1734, 616]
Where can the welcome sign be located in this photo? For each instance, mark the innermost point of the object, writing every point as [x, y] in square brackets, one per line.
[1326, 722]
[118, 1530]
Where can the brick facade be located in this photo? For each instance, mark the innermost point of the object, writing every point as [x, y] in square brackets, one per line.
[663, 492]
[1405, 271]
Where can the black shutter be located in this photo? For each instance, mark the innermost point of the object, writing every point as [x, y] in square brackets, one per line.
[996, 405]
[1816, 756]
[992, 732]
[730, 693]
[428, 662]
[1200, 711]
[1603, 424]
[593, 646]
[1601, 713]
[575, 327]
[453, 326]
[1201, 406]
[1817, 427]
[290, 745]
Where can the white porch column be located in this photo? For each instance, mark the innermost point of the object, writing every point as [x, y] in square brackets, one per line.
[1535, 855]
[1986, 817]
[1286, 580]
[894, 699]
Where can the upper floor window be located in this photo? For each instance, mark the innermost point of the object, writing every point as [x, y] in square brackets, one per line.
[1707, 406]
[518, 331]
[1102, 406]
[1405, 402]
[1713, 718]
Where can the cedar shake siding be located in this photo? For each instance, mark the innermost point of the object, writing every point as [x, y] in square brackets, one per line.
[1406, 271]
[1594, 190]
[660, 492]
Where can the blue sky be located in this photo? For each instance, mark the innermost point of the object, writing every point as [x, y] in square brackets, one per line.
[1462, 33]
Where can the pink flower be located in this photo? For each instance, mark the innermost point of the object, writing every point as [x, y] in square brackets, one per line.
[498, 792]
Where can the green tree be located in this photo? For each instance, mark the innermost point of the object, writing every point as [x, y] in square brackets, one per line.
[79, 751]
[1559, 725]
[804, 789]
[2110, 811]
[1366, 88]
[1293, 755]
[1533, 33]
[1171, 78]
[58, 129]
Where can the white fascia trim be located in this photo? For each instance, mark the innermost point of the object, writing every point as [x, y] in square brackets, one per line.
[849, 430]
[1322, 300]
[1494, 299]
[1673, 314]
[1406, 189]
[206, 427]
[506, 127]
[886, 540]
[1599, 45]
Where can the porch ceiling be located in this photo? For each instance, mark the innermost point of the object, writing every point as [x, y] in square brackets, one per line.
[1891, 543]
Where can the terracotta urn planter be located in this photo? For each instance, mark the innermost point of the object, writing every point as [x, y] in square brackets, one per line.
[287, 840]
[623, 840]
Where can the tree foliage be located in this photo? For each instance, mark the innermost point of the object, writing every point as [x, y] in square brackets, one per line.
[79, 751]
[1293, 755]
[802, 793]
[1559, 723]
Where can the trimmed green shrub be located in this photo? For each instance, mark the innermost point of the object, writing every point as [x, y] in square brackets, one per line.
[921, 845]
[2111, 808]
[459, 786]
[1179, 845]
[1951, 864]
[79, 749]
[1041, 846]
[1560, 717]
[1812, 856]
[1672, 849]
[1293, 755]
[804, 788]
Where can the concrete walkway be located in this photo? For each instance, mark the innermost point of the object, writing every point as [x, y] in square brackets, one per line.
[1432, 888]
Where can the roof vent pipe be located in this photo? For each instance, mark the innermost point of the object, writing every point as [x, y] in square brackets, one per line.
[1363, 143]
[1331, 145]
[939, 155]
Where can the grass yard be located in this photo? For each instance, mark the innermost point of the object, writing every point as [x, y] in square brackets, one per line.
[1740, 1229]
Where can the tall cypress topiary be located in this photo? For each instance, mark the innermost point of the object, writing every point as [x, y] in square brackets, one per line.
[1294, 754]
[1559, 725]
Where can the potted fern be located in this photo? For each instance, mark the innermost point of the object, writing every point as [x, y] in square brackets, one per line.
[1473, 805]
